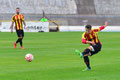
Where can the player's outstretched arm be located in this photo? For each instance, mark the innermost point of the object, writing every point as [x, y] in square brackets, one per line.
[106, 23]
[101, 28]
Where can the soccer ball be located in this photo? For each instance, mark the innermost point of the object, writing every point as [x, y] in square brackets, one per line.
[29, 57]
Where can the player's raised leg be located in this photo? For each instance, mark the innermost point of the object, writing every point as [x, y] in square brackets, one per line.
[85, 55]
[79, 53]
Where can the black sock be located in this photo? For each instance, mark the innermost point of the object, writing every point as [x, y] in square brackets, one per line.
[86, 51]
[21, 42]
[17, 41]
[87, 62]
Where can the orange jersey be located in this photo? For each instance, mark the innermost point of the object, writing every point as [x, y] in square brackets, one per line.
[92, 36]
[18, 19]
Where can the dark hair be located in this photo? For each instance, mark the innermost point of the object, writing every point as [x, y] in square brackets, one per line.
[17, 8]
[88, 26]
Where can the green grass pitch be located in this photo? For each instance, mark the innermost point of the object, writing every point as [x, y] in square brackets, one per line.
[54, 57]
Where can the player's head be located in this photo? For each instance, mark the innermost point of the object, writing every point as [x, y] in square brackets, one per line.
[44, 17]
[17, 10]
[88, 29]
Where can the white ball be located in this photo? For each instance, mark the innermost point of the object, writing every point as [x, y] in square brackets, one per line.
[29, 57]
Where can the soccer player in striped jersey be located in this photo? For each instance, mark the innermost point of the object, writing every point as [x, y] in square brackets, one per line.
[18, 19]
[90, 37]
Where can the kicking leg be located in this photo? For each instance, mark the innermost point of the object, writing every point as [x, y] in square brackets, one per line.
[85, 53]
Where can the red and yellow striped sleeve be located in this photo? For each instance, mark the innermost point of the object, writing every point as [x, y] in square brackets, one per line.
[13, 18]
[98, 29]
[22, 18]
[83, 38]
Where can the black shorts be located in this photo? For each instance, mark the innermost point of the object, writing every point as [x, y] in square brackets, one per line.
[95, 48]
[20, 33]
